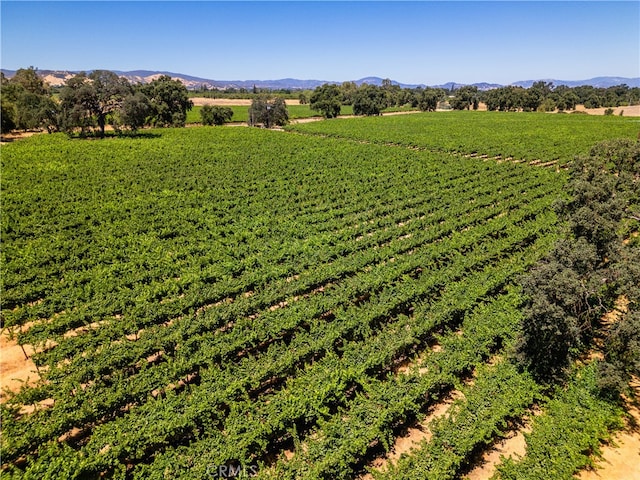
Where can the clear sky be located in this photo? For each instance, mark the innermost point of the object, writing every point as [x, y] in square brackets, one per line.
[410, 42]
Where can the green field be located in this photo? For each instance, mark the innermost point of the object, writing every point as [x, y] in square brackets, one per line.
[210, 298]
[530, 136]
[241, 113]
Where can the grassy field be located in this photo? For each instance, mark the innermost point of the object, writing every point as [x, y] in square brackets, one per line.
[284, 305]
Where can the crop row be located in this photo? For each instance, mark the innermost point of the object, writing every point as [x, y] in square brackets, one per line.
[128, 439]
[108, 392]
[530, 136]
[203, 288]
[341, 443]
[110, 274]
[424, 230]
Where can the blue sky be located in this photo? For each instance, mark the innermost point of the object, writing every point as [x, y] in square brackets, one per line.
[411, 42]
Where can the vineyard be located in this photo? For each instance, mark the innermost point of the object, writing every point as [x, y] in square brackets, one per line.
[220, 302]
[503, 135]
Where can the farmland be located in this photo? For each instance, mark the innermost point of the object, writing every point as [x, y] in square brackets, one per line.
[285, 304]
[505, 134]
[241, 113]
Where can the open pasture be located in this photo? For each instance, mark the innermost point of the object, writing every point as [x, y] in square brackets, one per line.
[208, 299]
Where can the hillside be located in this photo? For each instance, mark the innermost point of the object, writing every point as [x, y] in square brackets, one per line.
[58, 77]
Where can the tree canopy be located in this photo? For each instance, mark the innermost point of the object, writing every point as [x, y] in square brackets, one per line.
[545, 96]
[591, 267]
[26, 102]
[429, 98]
[326, 99]
[170, 101]
[86, 98]
[135, 110]
[465, 97]
[268, 112]
[369, 100]
[90, 101]
[102, 97]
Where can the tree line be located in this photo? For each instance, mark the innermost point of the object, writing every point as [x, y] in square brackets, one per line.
[369, 99]
[541, 96]
[87, 103]
[544, 96]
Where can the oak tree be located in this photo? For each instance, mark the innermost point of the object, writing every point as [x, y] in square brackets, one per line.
[169, 100]
[327, 99]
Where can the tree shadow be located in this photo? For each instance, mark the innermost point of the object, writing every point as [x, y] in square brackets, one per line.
[14, 135]
[632, 405]
[111, 135]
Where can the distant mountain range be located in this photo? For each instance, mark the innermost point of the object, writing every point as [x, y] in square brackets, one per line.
[58, 77]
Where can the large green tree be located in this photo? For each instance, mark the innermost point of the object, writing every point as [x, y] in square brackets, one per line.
[464, 98]
[34, 111]
[7, 114]
[27, 102]
[369, 100]
[327, 99]
[505, 99]
[7, 105]
[564, 97]
[90, 99]
[392, 93]
[348, 90]
[429, 98]
[30, 81]
[135, 111]
[77, 98]
[170, 101]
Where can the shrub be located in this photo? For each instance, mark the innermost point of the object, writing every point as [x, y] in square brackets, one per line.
[214, 115]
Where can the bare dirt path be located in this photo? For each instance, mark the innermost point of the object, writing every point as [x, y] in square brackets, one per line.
[412, 437]
[512, 445]
[632, 111]
[15, 369]
[620, 461]
[13, 136]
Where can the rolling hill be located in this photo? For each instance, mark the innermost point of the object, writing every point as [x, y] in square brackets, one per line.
[58, 77]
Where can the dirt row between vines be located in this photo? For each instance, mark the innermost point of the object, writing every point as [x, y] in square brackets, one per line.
[621, 457]
[413, 436]
[15, 369]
